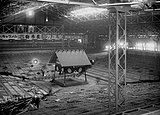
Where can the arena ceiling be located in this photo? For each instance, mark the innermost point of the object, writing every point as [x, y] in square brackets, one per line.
[13, 7]
[14, 10]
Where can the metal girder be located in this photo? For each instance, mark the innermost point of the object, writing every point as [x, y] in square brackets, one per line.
[47, 32]
[37, 29]
[143, 17]
[117, 60]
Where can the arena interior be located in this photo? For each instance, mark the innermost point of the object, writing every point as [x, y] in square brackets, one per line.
[79, 57]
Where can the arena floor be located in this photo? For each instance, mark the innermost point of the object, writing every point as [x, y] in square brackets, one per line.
[84, 99]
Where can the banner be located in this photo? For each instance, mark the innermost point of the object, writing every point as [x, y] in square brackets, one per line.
[73, 37]
[47, 36]
[38, 36]
[31, 36]
[9, 36]
[31, 29]
[21, 36]
[52, 37]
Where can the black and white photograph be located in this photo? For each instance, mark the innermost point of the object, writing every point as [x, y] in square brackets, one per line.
[79, 57]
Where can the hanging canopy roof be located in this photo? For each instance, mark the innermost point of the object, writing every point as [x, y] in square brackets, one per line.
[72, 58]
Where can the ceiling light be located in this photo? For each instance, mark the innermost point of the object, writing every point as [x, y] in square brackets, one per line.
[30, 13]
[88, 11]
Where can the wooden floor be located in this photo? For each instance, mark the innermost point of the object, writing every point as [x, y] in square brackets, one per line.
[12, 87]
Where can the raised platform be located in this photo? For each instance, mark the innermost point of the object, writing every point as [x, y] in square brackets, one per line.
[70, 82]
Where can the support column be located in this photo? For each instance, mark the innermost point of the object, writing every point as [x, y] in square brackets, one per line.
[85, 76]
[64, 82]
[63, 37]
[117, 60]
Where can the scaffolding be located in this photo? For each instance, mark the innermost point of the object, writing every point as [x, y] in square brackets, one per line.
[8, 28]
[117, 60]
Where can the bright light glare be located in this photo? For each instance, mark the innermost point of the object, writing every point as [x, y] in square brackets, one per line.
[139, 46]
[35, 61]
[122, 44]
[150, 46]
[80, 40]
[107, 47]
[30, 13]
[46, 19]
[87, 11]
